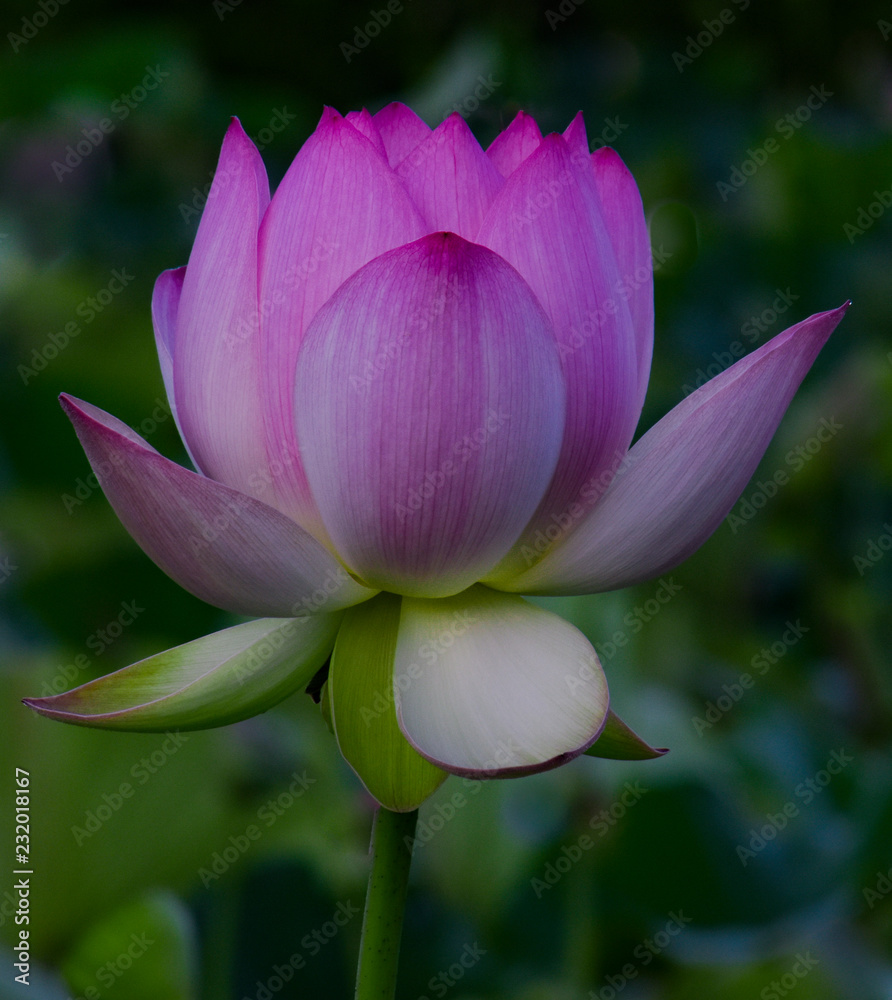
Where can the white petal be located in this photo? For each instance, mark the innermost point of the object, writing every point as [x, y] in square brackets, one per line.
[489, 685]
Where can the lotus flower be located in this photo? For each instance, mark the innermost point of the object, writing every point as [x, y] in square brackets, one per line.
[408, 384]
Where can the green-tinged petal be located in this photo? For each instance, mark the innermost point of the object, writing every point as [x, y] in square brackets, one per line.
[489, 685]
[212, 681]
[618, 742]
[360, 689]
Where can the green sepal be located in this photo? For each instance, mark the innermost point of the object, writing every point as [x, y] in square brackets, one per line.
[325, 707]
[618, 742]
[212, 681]
[360, 690]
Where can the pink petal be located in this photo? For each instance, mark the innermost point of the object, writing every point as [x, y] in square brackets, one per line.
[221, 545]
[510, 148]
[338, 206]
[363, 122]
[430, 408]
[165, 304]
[215, 351]
[576, 137]
[624, 218]
[401, 129]
[684, 476]
[547, 223]
[450, 179]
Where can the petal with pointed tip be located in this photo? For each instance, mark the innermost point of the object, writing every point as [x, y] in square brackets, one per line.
[225, 547]
[211, 681]
[685, 474]
[618, 742]
[401, 129]
[360, 693]
[576, 137]
[547, 223]
[215, 351]
[489, 685]
[450, 179]
[624, 218]
[338, 206]
[430, 407]
[512, 146]
[365, 124]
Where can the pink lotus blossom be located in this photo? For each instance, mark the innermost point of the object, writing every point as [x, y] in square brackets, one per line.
[408, 384]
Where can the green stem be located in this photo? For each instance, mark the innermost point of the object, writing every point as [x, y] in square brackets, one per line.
[382, 922]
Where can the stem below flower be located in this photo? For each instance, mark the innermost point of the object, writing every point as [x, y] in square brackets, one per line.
[382, 922]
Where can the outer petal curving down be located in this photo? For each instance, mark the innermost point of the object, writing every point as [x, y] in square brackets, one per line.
[684, 475]
[225, 547]
[211, 681]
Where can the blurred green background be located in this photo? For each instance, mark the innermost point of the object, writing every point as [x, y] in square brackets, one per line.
[644, 880]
